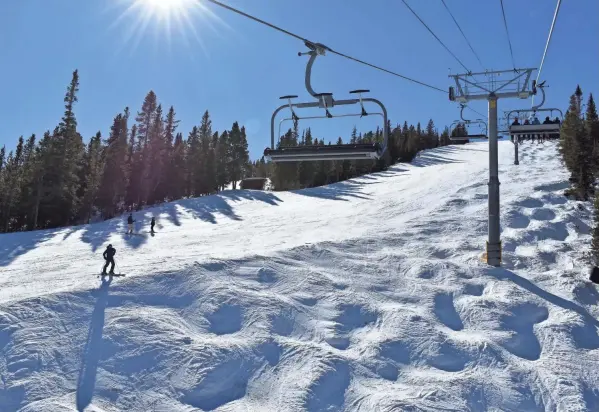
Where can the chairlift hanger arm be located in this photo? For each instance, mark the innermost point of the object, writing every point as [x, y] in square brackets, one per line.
[325, 101]
[337, 103]
[540, 86]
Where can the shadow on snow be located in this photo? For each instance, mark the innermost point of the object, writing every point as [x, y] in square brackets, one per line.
[93, 349]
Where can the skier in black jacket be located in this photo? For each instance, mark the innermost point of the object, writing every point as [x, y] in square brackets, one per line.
[109, 258]
[130, 223]
[152, 223]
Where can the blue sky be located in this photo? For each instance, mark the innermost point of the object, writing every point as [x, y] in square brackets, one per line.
[237, 69]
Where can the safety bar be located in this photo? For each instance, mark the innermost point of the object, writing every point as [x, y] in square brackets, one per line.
[326, 101]
[286, 119]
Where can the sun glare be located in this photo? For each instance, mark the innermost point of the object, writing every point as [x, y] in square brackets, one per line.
[167, 6]
[174, 17]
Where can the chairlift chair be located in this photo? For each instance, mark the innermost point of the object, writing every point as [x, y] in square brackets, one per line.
[325, 101]
[551, 129]
[467, 123]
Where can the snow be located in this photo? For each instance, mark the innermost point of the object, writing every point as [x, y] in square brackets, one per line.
[363, 295]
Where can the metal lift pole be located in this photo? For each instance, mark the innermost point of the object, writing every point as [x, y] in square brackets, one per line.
[514, 84]
[494, 242]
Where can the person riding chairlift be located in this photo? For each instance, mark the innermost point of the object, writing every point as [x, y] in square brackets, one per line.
[516, 123]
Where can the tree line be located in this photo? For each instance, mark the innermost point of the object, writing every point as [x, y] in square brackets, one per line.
[59, 180]
[405, 141]
[579, 149]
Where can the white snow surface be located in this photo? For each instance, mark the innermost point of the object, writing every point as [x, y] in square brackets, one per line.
[366, 295]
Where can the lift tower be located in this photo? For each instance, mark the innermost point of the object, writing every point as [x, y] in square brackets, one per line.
[495, 85]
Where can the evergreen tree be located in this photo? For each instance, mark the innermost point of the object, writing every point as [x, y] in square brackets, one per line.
[114, 179]
[94, 170]
[444, 138]
[170, 127]
[25, 217]
[595, 239]
[194, 179]
[71, 144]
[592, 130]
[223, 154]
[577, 150]
[178, 171]
[432, 139]
[155, 166]
[2, 181]
[207, 162]
[239, 154]
[145, 120]
[12, 186]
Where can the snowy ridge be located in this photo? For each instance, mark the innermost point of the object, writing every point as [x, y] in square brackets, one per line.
[363, 295]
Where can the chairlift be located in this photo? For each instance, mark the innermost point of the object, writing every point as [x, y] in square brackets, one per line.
[549, 128]
[467, 123]
[325, 101]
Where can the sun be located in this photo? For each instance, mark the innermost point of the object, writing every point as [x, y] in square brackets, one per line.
[164, 8]
[175, 18]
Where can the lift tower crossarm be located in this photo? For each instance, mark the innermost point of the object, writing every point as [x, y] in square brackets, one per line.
[492, 90]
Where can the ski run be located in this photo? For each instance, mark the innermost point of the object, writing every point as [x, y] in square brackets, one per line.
[366, 295]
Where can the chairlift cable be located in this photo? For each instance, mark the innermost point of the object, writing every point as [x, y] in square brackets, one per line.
[478, 113]
[463, 34]
[508, 34]
[218, 3]
[559, 2]
[435, 36]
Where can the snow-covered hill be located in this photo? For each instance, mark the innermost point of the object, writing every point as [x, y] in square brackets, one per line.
[367, 295]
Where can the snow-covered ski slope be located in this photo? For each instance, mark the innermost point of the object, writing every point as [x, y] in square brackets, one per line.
[367, 295]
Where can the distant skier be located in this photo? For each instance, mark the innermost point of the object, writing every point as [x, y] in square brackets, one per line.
[152, 224]
[109, 258]
[130, 223]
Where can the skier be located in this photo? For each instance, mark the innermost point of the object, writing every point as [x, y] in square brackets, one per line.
[109, 258]
[130, 223]
[152, 224]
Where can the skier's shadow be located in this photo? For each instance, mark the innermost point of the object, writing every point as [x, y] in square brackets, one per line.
[93, 348]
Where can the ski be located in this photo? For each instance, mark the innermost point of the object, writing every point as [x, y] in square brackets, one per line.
[109, 274]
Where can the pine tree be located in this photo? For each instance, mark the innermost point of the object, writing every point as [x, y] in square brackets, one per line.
[592, 130]
[595, 239]
[157, 154]
[207, 163]
[223, 153]
[12, 185]
[2, 180]
[212, 183]
[42, 169]
[239, 154]
[170, 127]
[135, 152]
[432, 139]
[194, 179]
[113, 183]
[577, 149]
[68, 153]
[178, 171]
[145, 120]
[25, 218]
[94, 170]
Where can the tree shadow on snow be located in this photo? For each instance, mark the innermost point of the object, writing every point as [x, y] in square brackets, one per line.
[336, 191]
[96, 234]
[206, 208]
[430, 159]
[503, 274]
[93, 349]
[13, 245]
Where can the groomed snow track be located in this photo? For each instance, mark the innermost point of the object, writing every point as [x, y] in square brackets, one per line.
[367, 295]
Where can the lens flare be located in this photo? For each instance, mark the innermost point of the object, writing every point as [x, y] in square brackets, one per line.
[166, 19]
